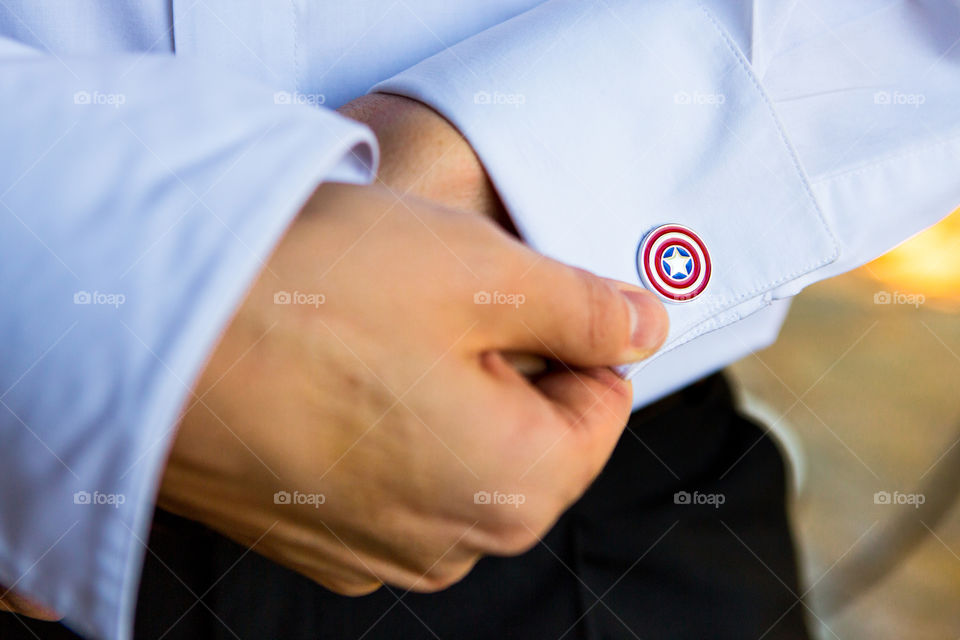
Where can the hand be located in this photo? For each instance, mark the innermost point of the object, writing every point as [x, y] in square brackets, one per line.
[390, 399]
[421, 153]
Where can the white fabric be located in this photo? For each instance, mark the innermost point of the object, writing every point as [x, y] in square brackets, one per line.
[147, 153]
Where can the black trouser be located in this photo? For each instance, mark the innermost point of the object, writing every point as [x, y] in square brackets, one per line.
[627, 561]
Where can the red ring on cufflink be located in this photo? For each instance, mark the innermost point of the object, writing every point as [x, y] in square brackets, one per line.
[674, 263]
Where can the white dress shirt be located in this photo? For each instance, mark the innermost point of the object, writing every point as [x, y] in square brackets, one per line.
[154, 152]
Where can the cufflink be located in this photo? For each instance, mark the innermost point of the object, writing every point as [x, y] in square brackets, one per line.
[674, 263]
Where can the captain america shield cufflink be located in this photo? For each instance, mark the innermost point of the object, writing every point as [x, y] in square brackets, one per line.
[674, 263]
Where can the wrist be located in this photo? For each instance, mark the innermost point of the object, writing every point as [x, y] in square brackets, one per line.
[423, 154]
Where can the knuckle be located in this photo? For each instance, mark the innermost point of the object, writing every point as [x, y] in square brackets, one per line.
[432, 583]
[518, 542]
[443, 578]
[512, 540]
[615, 402]
[584, 478]
[596, 453]
[349, 588]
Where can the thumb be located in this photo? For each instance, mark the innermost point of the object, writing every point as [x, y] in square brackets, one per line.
[574, 316]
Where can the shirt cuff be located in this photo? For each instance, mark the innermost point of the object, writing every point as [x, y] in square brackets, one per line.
[601, 121]
[138, 209]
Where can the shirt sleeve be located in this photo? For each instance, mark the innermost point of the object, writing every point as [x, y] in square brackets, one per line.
[139, 198]
[797, 140]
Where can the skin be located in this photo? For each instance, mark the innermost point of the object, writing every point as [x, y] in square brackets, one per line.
[398, 435]
[15, 603]
[395, 399]
[423, 154]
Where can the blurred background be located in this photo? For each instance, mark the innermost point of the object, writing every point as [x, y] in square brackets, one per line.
[863, 388]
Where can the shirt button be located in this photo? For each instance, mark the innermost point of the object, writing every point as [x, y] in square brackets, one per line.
[674, 263]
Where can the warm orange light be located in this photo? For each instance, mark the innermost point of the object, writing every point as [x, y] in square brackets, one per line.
[928, 264]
